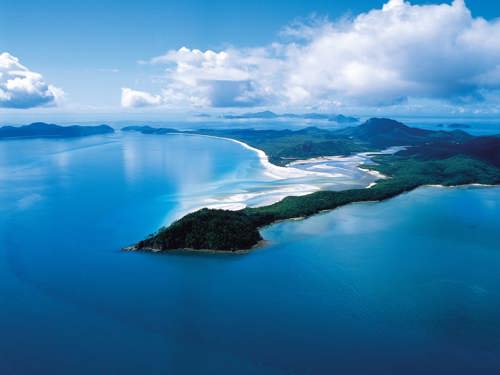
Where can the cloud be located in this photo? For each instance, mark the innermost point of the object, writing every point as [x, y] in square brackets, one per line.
[134, 98]
[398, 54]
[387, 55]
[219, 79]
[23, 88]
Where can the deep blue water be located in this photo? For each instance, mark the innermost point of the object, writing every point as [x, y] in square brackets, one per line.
[406, 286]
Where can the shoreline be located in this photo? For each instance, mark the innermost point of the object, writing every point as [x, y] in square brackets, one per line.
[263, 243]
[292, 177]
[376, 174]
[273, 171]
[260, 245]
[285, 211]
[473, 185]
[289, 168]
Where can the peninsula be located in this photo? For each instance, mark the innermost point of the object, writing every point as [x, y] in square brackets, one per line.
[448, 158]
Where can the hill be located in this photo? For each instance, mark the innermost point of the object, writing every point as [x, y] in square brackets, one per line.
[381, 132]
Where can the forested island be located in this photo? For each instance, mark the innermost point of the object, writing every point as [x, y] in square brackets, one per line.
[41, 129]
[448, 158]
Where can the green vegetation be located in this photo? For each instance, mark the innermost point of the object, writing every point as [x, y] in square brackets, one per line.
[437, 158]
[207, 229]
[453, 171]
[238, 230]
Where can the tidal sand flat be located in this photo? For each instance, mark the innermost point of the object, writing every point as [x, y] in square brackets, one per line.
[268, 183]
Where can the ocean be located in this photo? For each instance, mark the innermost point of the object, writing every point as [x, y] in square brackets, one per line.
[405, 286]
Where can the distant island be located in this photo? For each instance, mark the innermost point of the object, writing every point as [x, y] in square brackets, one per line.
[340, 119]
[41, 129]
[459, 126]
[447, 158]
[454, 126]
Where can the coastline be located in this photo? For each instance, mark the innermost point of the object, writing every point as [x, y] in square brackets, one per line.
[271, 170]
[260, 245]
[474, 185]
[290, 207]
[376, 174]
[263, 242]
[238, 200]
[285, 181]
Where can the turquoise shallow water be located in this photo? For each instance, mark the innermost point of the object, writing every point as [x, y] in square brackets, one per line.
[405, 286]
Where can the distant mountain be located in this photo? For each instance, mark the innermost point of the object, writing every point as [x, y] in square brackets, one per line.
[255, 115]
[459, 126]
[41, 129]
[454, 126]
[381, 132]
[341, 119]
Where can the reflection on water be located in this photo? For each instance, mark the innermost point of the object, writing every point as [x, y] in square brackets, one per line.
[263, 183]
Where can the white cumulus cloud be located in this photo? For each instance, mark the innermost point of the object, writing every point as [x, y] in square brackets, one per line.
[229, 78]
[399, 51]
[23, 88]
[134, 98]
[388, 56]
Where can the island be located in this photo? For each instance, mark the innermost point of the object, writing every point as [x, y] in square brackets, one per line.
[454, 126]
[41, 129]
[268, 115]
[445, 158]
[459, 126]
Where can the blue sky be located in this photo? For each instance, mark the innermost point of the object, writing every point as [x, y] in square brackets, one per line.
[85, 53]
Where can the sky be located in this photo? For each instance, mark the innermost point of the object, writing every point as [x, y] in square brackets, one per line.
[147, 59]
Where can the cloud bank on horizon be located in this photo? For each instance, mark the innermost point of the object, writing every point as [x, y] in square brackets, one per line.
[390, 56]
[23, 88]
